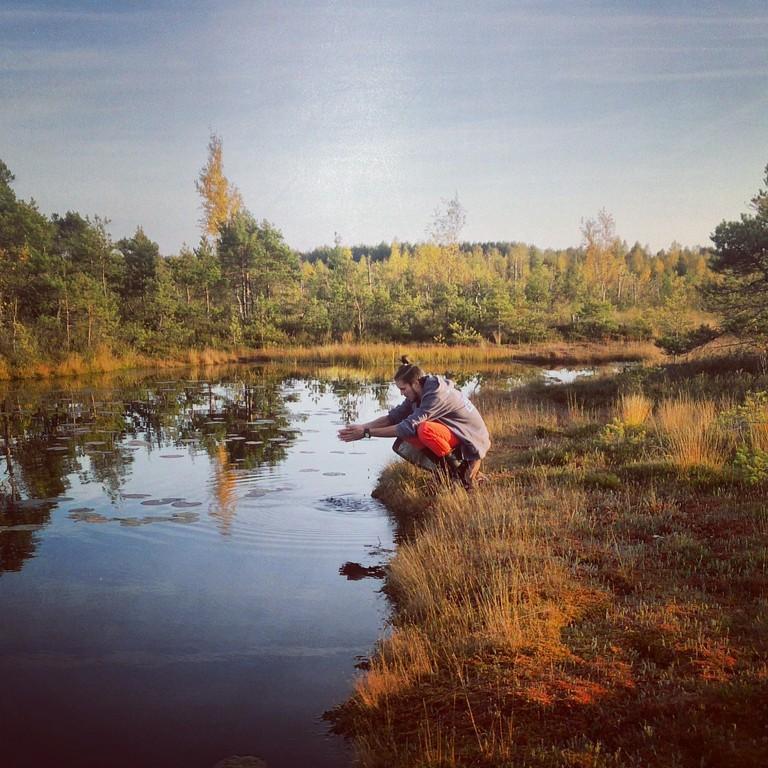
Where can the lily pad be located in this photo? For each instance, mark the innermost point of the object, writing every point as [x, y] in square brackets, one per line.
[136, 495]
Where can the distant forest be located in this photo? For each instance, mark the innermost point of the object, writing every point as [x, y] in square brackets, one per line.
[66, 287]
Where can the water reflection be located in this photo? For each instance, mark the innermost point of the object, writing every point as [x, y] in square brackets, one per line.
[241, 420]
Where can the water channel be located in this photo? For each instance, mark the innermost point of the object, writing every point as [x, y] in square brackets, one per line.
[188, 566]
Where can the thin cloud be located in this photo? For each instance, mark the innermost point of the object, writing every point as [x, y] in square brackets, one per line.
[618, 78]
[38, 15]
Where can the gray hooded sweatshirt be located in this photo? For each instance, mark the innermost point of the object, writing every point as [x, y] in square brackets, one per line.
[443, 403]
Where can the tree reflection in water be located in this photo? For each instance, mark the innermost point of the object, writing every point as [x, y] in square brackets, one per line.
[239, 416]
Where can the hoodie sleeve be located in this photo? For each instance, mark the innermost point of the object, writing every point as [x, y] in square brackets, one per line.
[399, 412]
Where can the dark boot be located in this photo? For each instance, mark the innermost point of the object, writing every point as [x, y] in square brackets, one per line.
[449, 465]
[470, 474]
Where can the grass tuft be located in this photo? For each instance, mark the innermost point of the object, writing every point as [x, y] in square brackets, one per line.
[690, 432]
[633, 410]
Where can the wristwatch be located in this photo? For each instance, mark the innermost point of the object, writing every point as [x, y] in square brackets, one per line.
[367, 432]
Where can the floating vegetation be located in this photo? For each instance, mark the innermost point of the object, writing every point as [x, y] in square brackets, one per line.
[186, 504]
[309, 469]
[334, 474]
[87, 515]
[171, 455]
[21, 527]
[136, 495]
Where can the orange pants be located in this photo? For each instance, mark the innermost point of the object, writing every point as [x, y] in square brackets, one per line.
[435, 436]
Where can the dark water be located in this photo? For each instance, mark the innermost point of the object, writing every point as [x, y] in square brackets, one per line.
[170, 586]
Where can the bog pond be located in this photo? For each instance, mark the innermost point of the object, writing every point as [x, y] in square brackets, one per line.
[188, 565]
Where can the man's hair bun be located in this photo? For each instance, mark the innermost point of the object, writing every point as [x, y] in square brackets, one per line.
[408, 372]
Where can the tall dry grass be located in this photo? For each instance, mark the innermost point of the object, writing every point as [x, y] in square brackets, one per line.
[691, 433]
[362, 355]
[506, 414]
[479, 574]
[438, 355]
[633, 410]
[209, 356]
[104, 360]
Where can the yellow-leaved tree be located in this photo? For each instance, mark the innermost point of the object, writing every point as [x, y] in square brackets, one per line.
[220, 199]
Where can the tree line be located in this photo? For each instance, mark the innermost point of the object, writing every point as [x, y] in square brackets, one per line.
[66, 286]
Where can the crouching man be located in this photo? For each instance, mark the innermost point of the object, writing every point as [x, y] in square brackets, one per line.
[437, 420]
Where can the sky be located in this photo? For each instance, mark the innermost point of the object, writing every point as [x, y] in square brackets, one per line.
[359, 117]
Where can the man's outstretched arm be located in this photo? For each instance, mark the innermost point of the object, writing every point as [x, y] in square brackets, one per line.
[381, 427]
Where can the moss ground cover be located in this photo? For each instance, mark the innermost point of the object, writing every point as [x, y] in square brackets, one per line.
[601, 601]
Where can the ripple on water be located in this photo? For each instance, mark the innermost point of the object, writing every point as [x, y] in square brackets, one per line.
[305, 529]
[351, 505]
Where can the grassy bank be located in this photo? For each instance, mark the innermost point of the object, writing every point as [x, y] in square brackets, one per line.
[105, 361]
[438, 355]
[363, 355]
[600, 602]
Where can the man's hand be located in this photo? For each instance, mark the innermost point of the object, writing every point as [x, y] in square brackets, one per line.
[351, 433]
